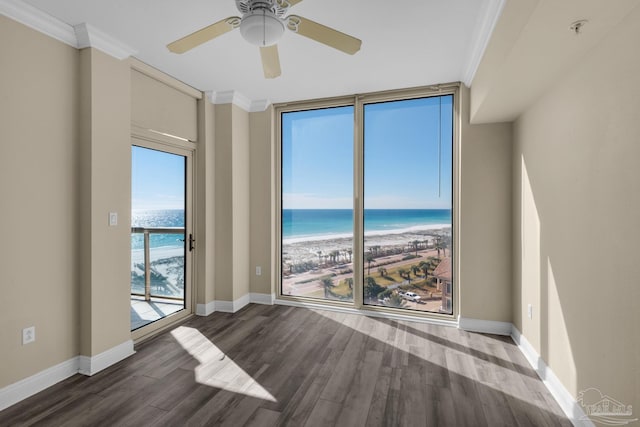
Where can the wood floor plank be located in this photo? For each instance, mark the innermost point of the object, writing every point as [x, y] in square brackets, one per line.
[263, 418]
[375, 417]
[357, 403]
[187, 407]
[324, 414]
[287, 366]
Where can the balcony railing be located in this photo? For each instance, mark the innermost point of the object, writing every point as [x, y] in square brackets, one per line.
[147, 232]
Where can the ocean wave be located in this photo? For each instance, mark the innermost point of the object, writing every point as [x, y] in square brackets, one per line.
[338, 236]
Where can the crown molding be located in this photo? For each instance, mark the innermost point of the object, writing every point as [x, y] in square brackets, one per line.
[89, 36]
[38, 20]
[482, 35]
[230, 97]
[79, 36]
[259, 105]
[238, 99]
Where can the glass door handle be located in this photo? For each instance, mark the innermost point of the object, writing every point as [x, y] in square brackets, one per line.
[192, 242]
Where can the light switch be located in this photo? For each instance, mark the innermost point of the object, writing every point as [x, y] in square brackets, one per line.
[113, 218]
[258, 270]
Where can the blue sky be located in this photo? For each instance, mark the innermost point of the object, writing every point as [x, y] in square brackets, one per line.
[402, 152]
[157, 180]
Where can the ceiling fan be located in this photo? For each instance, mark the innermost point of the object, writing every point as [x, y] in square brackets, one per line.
[263, 23]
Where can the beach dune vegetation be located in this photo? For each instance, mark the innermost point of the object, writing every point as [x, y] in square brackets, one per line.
[395, 300]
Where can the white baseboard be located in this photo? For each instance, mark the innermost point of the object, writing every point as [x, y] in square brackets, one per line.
[92, 365]
[205, 309]
[27, 387]
[266, 299]
[234, 306]
[369, 313]
[567, 402]
[484, 326]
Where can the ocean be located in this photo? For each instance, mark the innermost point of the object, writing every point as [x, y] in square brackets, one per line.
[157, 218]
[314, 224]
[303, 224]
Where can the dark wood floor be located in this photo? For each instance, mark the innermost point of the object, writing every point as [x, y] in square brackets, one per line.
[276, 365]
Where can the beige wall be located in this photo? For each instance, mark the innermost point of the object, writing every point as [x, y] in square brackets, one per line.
[65, 164]
[485, 218]
[39, 193]
[241, 202]
[261, 135]
[158, 106]
[105, 146]
[232, 202]
[576, 209]
[223, 209]
[205, 204]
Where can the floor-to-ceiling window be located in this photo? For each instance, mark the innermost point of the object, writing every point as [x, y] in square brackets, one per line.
[367, 190]
[317, 203]
[408, 159]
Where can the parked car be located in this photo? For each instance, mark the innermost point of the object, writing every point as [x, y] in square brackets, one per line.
[411, 296]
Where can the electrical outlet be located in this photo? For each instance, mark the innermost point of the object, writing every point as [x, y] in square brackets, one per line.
[113, 219]
[530, 311]
[28, 335]
[258, 270]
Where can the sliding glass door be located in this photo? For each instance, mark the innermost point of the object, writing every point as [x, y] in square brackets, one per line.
[161, 238]
[392, 247]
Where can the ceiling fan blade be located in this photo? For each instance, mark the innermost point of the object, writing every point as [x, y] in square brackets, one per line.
[270, 61]
[204, 35]
[294, 2]
[325, 35]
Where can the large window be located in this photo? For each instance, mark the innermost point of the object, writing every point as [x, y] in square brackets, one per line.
[408, 159]
[393, 246]
[317, 203]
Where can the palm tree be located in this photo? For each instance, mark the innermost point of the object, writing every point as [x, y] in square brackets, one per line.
[349, 251]
[415, 269]
[415, 245]
[439, 246]
[424, 267]
[327, 284]
[369, 259]
[402, 272]
[349, 282]
[319, 257]
[333, 256]
[371, 288]
[382, 271]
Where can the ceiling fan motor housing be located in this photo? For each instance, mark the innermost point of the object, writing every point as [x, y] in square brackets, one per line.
[261, 27]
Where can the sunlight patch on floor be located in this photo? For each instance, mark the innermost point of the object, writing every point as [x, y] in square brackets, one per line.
[216, 369]
[408, 343]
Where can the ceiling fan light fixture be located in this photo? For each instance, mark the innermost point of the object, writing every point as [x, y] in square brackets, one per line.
[261, 27]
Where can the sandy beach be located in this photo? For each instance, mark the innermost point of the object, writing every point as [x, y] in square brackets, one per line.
[297, 251]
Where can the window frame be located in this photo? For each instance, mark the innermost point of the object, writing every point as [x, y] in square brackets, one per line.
[358, 102]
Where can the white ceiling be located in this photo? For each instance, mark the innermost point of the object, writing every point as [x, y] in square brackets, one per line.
[532, 49]
[405, 43]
